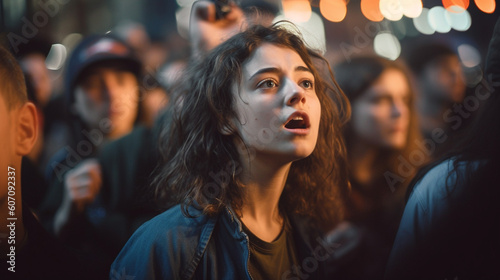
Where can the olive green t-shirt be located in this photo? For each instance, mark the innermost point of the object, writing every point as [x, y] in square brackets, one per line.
[271, 260]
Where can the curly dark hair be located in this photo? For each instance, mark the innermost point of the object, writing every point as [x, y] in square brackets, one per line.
[201, 164]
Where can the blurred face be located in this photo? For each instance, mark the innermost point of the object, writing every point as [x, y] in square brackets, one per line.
[108, 93]
[278, 109]
[444, 79]
[381, 115]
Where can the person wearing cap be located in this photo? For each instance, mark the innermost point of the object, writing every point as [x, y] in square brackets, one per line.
[102, 98]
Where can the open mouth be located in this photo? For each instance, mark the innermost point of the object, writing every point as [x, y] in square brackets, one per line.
[297, 120]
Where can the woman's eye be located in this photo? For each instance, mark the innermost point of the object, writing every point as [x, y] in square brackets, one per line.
[267, 84]
[381, 100]
[307, 84]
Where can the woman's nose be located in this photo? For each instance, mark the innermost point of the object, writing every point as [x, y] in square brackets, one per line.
[295, 93]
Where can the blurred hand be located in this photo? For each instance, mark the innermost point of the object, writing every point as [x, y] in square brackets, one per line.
[81, 186]
[83, 183]
[206, 31]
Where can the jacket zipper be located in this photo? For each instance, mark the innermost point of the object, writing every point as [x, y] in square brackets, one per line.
[246, 238]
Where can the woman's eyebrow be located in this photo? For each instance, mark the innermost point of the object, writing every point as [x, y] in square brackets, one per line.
[303, 69]
[266, 70]
[275, 70]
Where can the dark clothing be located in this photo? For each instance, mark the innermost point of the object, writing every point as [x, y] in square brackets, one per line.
[120, 207]
[450, 227]
[41, 256]
[173, 246]
[271, 260]
[375, 212]
[34, 185]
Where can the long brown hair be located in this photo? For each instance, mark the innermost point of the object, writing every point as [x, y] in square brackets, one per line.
[201, 165]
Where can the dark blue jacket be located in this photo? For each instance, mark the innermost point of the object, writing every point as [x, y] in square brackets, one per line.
[173, 246]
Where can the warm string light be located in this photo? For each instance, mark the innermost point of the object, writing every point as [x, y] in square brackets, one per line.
[394, 10]
[333, 10]
[456, 5]
[452, 15]
[391, 9]
[412, 8]
[297, 10]
[486, 6]
[371, 10]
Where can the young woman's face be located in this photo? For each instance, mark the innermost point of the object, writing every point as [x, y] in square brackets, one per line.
[381, 115]
[277, 106]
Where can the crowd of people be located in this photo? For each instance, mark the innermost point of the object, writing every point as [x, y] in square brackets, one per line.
[248, 158]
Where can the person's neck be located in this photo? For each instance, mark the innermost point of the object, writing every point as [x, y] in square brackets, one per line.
[264, 184]
[363, 158]
[12, 235]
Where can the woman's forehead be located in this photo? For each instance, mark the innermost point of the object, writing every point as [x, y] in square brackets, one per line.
[270, 55]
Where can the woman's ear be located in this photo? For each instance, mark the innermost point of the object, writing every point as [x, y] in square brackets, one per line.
[26, 130]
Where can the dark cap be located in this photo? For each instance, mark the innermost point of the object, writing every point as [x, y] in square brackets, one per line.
[98, 50]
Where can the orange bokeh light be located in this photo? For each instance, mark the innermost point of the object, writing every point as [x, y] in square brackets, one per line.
[487, 6]
[371, 10]
[297, 10]
[333, 10]
[448, 4]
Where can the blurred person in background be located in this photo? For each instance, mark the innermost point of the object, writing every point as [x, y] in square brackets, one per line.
[450, 228]
[382, 130]
[152, 55]
[440, 84]
[102, 95]
[32, 57]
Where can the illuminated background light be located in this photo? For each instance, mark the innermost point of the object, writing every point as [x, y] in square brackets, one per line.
[387, 45]
[185, 3]
[437, 19]
[371, 10]
[182, 18]
[391, 9]
[411, 8]
[459, 21]
[312, 31]
[422, 23]
[71, 40]
[487, 6]
[452, 5]
[469, 55]
[333, 10]
[297, 10]
[56, 57]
